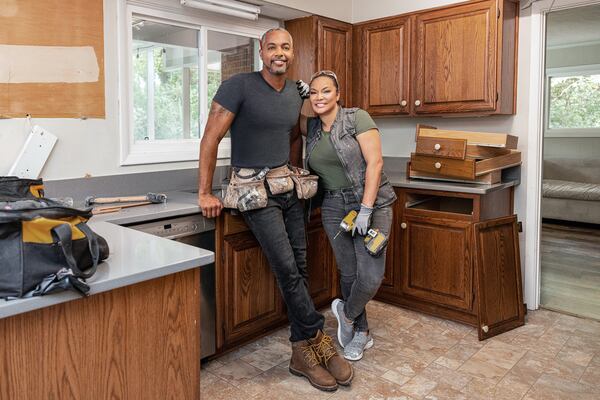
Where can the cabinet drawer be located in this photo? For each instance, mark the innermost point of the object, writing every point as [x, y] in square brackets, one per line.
[442, 166]
[442, 147]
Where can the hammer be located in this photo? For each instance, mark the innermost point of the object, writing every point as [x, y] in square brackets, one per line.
[150, 198]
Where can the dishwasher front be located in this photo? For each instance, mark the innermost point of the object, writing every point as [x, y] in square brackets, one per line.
[194, 230]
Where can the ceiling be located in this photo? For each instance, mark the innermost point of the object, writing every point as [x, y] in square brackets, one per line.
[574, 26]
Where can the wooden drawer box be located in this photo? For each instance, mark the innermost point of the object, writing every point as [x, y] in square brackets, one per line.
[467, 169]
[442, 147]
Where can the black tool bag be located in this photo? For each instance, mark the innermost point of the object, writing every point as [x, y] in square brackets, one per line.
[13, 188]
[46, 247]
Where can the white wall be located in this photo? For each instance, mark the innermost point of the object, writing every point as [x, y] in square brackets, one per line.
[336, 9]
[90, 147]
[364, 10]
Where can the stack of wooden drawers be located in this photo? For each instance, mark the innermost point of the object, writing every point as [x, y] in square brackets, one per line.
[462, 156]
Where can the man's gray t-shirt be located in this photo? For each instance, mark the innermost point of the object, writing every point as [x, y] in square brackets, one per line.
[264, 119]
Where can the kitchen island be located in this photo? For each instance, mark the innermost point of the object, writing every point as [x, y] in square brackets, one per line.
[136, 336]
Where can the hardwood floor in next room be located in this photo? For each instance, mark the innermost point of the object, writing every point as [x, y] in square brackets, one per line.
[570, 262]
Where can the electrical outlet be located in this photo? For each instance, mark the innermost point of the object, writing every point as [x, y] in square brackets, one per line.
[34, 154]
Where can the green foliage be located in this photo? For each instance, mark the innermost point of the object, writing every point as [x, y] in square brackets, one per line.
[574, 102]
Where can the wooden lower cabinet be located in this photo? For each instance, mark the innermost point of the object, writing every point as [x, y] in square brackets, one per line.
[457, 257]
[249, 303]
[321, 267]
[436, 263]
[250, 296]
[136, 342]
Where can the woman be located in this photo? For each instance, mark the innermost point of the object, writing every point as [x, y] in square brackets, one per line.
[344, 149]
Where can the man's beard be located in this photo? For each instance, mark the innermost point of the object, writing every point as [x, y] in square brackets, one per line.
[275, 70]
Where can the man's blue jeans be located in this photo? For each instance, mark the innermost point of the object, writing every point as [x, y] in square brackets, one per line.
[280, 230]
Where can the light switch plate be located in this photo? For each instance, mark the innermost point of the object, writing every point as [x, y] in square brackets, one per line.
[34, 154]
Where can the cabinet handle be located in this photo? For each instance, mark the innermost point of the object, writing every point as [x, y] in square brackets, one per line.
[485, 328]
[403, 103]
[403, 225]
[417, 103]
[437, 147]
[438, 165]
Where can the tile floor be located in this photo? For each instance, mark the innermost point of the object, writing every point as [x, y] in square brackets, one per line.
[554, 356]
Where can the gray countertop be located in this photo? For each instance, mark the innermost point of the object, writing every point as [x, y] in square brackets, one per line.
[400, 180]
[134, 257]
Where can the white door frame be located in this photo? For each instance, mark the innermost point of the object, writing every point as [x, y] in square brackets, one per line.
[539, 11]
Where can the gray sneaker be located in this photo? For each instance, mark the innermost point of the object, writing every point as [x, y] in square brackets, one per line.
[345, 330]
[360, 342]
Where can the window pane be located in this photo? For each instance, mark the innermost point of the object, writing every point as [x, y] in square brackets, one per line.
[165, 81]
[574, 102]
[229, 55]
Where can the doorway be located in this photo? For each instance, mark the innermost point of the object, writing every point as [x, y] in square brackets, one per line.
[570, 202]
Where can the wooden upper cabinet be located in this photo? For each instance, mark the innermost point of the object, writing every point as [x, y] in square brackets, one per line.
[459, 59]
[455, 56]
[322, 43]
[383, 74]
[334, 52]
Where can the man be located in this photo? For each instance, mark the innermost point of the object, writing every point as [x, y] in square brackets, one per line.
[262, 110]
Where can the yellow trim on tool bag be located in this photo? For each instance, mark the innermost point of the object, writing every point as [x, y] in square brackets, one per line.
[39, 230]
[37, 190]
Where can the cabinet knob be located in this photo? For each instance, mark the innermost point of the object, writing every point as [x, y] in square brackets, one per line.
[403, 103]
[437, 147]
[485, 328]
[403, 225]
[417, 103]
[438, 165]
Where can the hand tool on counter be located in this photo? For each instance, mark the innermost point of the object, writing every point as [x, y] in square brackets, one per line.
[109, 209]
[375, 241]
[148, 198]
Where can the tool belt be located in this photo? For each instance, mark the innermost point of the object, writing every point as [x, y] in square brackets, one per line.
[247, 191]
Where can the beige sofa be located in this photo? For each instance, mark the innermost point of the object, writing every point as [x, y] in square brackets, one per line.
[571, 190]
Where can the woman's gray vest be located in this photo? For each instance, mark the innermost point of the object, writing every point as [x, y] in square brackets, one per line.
[343, 138]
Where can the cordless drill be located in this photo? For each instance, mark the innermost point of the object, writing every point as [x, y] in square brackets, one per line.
[375, 241]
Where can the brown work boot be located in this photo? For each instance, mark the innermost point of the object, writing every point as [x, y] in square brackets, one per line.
[331, 360]
[305, 363]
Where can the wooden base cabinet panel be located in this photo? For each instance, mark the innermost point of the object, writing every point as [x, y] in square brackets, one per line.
[498, 276]
[437, 261]
[249, 302]
[321, 266]
[137, 342]
[251, 297]
[458, 266]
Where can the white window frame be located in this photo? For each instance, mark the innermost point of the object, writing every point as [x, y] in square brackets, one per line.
[593, 69]
[136, 153]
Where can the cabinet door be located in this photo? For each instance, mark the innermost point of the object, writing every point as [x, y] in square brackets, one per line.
[321, 268]
[498, 276]
[455, 59]
[252, 302]
[385, 69]
[391, 284]
[334, 52]
[437, 264]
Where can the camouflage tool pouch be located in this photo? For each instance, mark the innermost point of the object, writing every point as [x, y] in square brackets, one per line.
[279, 180]
[306, 184]
[246, 190]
